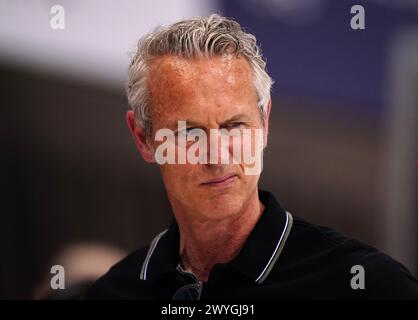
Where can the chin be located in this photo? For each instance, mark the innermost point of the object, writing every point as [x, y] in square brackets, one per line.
[221, 206]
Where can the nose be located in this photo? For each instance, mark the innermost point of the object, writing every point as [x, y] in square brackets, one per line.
[217, 154]
[224, 147]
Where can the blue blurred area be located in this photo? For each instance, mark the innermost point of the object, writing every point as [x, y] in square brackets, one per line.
[313, 52]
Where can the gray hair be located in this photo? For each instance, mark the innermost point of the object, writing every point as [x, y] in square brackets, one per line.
[194, 38]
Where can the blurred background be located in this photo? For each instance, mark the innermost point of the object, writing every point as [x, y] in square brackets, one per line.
[342, 148]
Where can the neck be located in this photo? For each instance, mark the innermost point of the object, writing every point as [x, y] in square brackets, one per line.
[205, 242]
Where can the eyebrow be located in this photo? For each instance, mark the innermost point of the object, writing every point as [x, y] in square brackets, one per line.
[235, 118]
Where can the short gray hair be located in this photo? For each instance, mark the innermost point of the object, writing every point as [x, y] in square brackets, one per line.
[194, 38]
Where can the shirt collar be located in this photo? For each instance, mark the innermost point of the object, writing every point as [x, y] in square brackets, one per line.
[255, 260]
[265, 242]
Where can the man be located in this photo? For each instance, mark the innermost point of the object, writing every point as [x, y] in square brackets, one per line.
[228, 239]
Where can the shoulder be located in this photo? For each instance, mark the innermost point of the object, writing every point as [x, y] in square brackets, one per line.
[122, 280]
[310, 241]
[328, 255]
[388, 278]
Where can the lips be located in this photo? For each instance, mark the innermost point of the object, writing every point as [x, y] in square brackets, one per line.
[221, 180]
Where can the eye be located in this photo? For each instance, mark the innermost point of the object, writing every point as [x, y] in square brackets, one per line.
[186, 131]
[195, 132]
[233, 125]
[190, 130]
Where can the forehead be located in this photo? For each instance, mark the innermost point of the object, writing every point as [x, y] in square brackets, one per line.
[226, 69]
[179, 85]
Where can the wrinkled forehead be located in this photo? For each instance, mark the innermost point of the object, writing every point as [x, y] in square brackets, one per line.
[199, 89]
[168, 72]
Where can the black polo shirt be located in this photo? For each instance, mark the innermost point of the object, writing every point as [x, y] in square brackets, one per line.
[284, 257]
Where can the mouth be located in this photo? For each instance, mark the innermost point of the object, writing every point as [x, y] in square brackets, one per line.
[221, 181]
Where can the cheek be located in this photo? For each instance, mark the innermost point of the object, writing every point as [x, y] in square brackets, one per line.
[176, 175]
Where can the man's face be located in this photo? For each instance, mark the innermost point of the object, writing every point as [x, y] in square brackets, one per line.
[207, 93]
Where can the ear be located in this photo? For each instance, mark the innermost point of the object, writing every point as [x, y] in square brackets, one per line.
[266, 123]
[140, 138]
